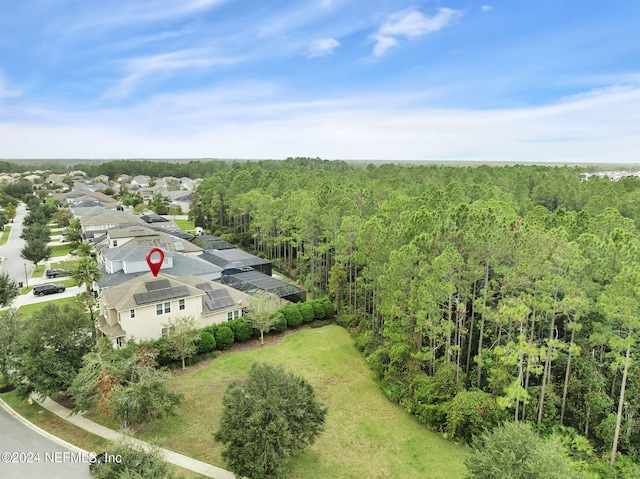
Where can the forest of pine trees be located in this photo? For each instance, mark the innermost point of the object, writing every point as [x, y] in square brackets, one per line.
[477, 294]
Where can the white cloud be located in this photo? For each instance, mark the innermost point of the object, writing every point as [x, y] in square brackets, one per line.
[596, 127]
[486, 8]
[410, 24]
[141, 68]
[323, 46]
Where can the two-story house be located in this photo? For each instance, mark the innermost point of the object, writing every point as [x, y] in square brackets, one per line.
[141, 308]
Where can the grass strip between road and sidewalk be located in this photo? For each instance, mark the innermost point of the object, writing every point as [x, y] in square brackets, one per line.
[36, 414]
[4, 237]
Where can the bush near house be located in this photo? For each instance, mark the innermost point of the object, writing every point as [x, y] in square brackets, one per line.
[222, 336]
[242, 331]
[306, 309]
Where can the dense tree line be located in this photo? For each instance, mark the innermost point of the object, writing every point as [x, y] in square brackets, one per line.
[189, 169]
[477, 294]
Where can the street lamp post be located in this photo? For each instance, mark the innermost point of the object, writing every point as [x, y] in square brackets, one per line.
[26, 278]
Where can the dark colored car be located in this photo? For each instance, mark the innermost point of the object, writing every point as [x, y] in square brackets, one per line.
[42, 289]
[54, 273]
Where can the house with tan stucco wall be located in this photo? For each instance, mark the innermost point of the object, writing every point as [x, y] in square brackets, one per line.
[141, 308]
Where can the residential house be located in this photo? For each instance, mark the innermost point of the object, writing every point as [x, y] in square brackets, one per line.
[187, 184]
[124, 178]
[141, 181]
[144, 235]
[102, 179]
[142, 307]
[148, 192]
[124, 263]
[105, 221]
[181, 199]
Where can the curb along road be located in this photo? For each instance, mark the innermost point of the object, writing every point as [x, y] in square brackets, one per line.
[172, 457]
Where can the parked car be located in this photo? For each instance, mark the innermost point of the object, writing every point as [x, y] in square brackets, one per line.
[48, 288]
[54, 273]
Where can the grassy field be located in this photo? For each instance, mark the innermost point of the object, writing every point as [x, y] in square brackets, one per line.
[366, 435]
[4, 237]
[28, 309]
[185, 225]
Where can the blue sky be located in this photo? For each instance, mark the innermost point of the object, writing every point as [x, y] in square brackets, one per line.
[470, 80]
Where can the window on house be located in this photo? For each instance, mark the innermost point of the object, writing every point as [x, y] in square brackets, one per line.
[115, 243]
[165, 332]
[118, 342]
[181, 305]
[167, 308]
[235, 314]
[158, 309]
[132, 313]
[229, 316]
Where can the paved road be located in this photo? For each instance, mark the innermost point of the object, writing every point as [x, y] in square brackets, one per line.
[10, 251]
[48, 457]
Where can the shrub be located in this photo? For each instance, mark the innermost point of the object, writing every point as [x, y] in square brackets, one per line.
[242, 331]
[224, 337]
[307, 312]
[516, 451]
[329, 308]
[165, 351]
[281, 322]
[292, 315]
[211, 329]
[347, 321]
[133, 462]
[207, 342]
[318, 309]
[471, 412]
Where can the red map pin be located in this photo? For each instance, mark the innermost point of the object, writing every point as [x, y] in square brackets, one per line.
[155, 267]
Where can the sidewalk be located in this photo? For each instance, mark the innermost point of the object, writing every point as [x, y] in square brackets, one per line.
[185, 462]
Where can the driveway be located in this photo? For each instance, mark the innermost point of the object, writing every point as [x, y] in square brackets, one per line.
[26, 453]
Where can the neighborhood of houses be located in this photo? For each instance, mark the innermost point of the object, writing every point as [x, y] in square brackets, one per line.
[201, 275]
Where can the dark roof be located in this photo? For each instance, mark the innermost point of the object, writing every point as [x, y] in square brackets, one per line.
[153, 218]
[210, 242]
[159, 290]
[254, 281]
[232, 258]
[182, 235]
[218, 298]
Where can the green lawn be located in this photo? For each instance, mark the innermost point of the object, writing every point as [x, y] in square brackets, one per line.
[366, 435]
[185, 225]
[5, 235]
[28, 309]
[60, 250]
[38, 271]
[66, 265]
